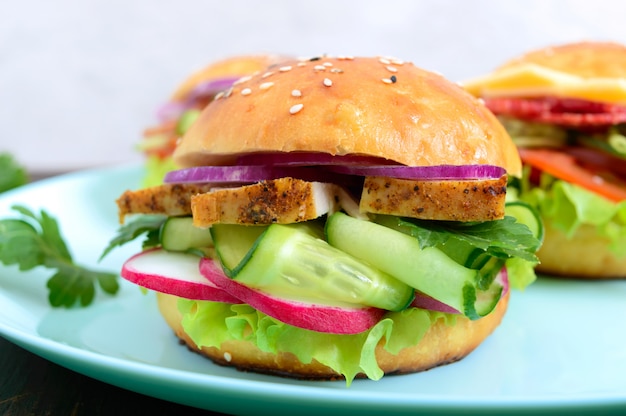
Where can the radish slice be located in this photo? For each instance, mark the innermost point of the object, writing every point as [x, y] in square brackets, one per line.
[424, 301]
[319, 318]
[172, 273]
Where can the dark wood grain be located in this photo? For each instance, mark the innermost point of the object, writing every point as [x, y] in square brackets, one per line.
[31, 385]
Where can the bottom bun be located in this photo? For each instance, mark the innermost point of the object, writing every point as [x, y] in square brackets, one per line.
[585, 255]
[442, 344]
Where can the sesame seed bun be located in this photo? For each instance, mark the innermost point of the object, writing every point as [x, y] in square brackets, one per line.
[340, 106]
[442, 344]
[231, 67]
[585, 255]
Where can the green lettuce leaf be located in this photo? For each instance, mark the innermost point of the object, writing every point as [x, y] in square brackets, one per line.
[568, 206]
[348, 355]
[156, 168]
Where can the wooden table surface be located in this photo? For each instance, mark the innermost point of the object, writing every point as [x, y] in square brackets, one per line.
[31, 385]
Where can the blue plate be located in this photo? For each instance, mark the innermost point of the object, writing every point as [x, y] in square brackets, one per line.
[561, 347]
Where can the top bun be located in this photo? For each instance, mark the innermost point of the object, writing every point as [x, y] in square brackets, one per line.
[594, 71]
[232, 67]
[583, 59]
[379, 107]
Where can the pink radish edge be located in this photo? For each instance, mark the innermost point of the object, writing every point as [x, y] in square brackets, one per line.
[319, 318]
[174, 274]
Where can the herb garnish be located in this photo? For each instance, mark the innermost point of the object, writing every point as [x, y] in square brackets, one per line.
[12, 174]
[32, 241]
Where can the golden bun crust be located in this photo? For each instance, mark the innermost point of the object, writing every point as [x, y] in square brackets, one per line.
[583, 59]
[350, 106]
[586, 255]
[231, 67]
[441, 345]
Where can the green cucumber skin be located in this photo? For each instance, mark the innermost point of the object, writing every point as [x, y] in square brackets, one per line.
[428, 270]
[233, 244]
[292, 262]
[179, 234]
[528, 215]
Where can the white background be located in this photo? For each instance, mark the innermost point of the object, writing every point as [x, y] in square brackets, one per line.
[79, 80]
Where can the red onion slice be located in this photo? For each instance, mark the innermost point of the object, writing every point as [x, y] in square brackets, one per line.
[329, 173]
[251, 174]
[172, 110]
[309, 159]
[440, 172]
[211, 87]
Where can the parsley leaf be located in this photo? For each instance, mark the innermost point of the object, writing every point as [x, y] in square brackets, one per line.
[12, 174]
[33, 241]
[144, 224]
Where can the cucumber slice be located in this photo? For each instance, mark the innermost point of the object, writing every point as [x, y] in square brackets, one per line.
[428, 270]
[179, 234]
[528, 215]
[292, 262]
[233, 243]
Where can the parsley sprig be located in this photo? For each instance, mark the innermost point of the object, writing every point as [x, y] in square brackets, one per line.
[32, 241]
[150, 225]
[12, 174]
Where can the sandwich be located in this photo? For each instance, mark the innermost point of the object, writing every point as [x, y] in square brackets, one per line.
[186, 102]
[335, 218]
[565, 108]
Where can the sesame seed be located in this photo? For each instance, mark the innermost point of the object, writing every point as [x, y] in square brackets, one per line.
[384, 61]
[316, 58]
[393, 78]
[266, 85]
[392, 68]
[285, 68]
[328, 82]
[319, 68]
[336, 70]
[327, 64]
[267, 74]
[397, 62]
[295, 108]
[246, 91]
[228, 92]
[296, 93]
[242, 79]
[227, 356]
[301, 63]
[219, 95]
[387, 81]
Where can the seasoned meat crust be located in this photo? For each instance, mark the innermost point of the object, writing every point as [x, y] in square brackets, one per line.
[469, 200]
[288, 200]
[168, 199]
[282, 201]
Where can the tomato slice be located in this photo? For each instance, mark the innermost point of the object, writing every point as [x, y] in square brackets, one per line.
[566, 166]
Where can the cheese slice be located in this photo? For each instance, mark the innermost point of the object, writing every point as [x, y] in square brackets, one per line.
[532, 80]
